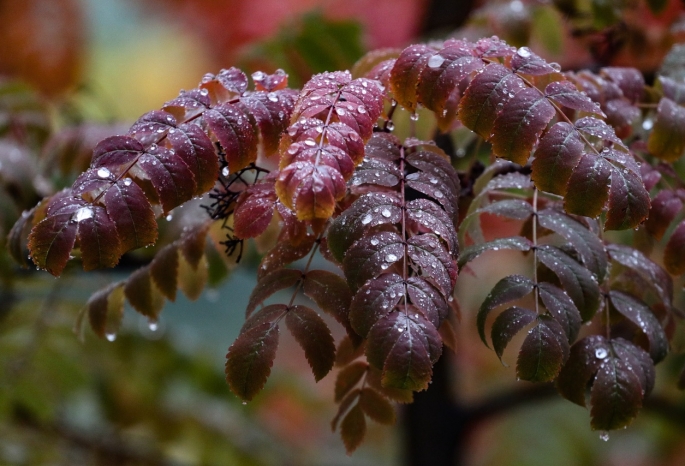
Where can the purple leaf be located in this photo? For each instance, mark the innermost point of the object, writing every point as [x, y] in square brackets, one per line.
[235, 130]
[348, 377]
[377, 298]
[406, 72]
[639, 314]
[629, 80]
[585, 358]
[331, 293]
[510, 322]
[434, 262]
[525, 61]
[543, 352]
[628, 200]
[427, 217]
[508, 289]
[277, 280]
[567, 94]
[652, 274]
[254, 210]
[588, 187]
[674, 253]
[194, 147]
[134, 219]
[313, 335]
[616, 395]
[562, 308]
[371, 256]
[556, 157]
[516, 243]
[665, 206]
[599, 129]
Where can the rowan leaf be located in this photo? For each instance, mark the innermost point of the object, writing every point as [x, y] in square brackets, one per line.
[133, 217]
[99, 241]
[331, 293]
[652, 274]
[192, 279]
[595, 127]
[194, 147]
[557, 155]
[516, 243]
[376, 406]
[249, 360]
[480, 105]
[254, 210]
[445, 81]
[667, 139]
[665, 206]
[145, 298]
[628, 200]
[271, 110]
[428, 217]
[236, 131]
[164, 270]
[674, 253]
[377, 298]
[562, 308]
[581, 286]
[353, 428]
[405, 346]
[567, 94]
[507, 324]
[370, 256]
[431, 258]
[616, 395]
[313, 335]
[116, 152]
[640, 315]
[543, 352]
[277, 280]
[638, 361]
[348, 377]
[588, 186]
[106, 310]
[428, 299]
[525, 61]
[285, 252]
[629, 80]
[310, 190]
[508, 289]
[406, 73]
[584, 360]
[52, 239]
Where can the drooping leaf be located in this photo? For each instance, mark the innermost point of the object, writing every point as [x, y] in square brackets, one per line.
[439, 173]
[370, 256]
[348, 377]
[510, 322]
[665, 206]
[133, 217]
[283, 253]
[653, 275]
[313, 335]
[628, 200]
[377, 298]
[588, 186]
[667, 139]
[164, 271]
[254, 210]
[430, 256]
[616, 395]
[353, 428]
[405, 346]
[508, 289]
[143, 294]
[249, 360]
[428, 299]
[331, 293]
[674, 253]
[585, 358]
[106, 310]
[576, 280]
[562, 308]
[376, 406]
[430, 218]
[640, 315]
[567, 94]
[588, 246]
[192, 279]
[543, 352]
[271, 110]
[557, 155]
[516, 243]
[52, 239]
[277, 280]
[480, 104]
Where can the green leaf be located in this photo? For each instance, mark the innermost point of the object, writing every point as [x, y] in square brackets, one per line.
[376, 406]
[506, 290]
[313, 335]
[543, 352]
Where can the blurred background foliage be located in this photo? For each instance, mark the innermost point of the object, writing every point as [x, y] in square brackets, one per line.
[76, 71]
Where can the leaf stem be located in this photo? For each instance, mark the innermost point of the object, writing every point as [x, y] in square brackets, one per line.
[536, 290]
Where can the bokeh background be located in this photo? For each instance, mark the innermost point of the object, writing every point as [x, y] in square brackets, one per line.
[75, 71]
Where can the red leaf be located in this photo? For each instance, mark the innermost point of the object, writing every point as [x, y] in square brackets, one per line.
[616, 395]
[629, 80]
[348, 377]
[116, 151]
[249, 360]
[270, 82]
[194, 147]
[434, 262]
[236, 131]
[271, 110]
[331, 293]
[674, 253]
[508, 289]
[628, 200]
[310, 190]
[285, 252]
[313, 335]
[588, 187]
[143, 295]
[353, 429]
[510, 322]
[134, 219]
[567, 94]
[52, 240]
[377, 298]
[524, 61]
[543, 352]
[254, 210]
[406, 72]
[585, 358]
[164, 271]
[599, 129]
[98, 238]
[376, 406]
[665, 206]
[557, 155]
[152, 127]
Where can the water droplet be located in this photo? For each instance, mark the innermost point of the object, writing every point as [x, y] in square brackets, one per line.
[516, 6]
[438, 194]
[169, 217]
[386, 213]
[128, 181]
[600, 353]
[361, 109]
[391, 258]
[153, 325]
[244, 403]
[390, 125]
[103, 172]
[374, 242]
[435, 61]
[224, 171]
[647, 124]
[604, 435]
[272, 97]
[367, 219]
[204, 92]
[524, 52]
[84, 213]
[258, 76]
[111, 336]
[340, 111]
[414, 116]
[310, 142]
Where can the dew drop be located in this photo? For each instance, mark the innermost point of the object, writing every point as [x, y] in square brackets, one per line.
[367, 219]
[374, 242]
[111, 336]
[128, 181]
[224, 171]
[414, 116]
[310, 142]
[361, 109]
[244, 403]
[386, 213]
[340, 111]
[204, 92]
[84, 213]
[647, 124]
[272, 97]
[153, 325]
[390, 125]
[169, 217]
[103, 172]
[604, 435]
[601, 353]
[523, 52]
[435, 61]
[258, 76]
[391, 258]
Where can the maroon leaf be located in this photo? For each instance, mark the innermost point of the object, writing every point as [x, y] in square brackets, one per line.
[628, 200]
[331, 293]
[348, 377]
[562, 308]
[616, 395]
[405, 347]
[588, 186]
[235, 130]
[377, 298]
[270, 82]
[52, 240]
[665, 206]
[277, 280]
[272, 314]
[285, 252]
[249, 360]
[653, 275]
[376, 172]
[480, 104]
[674, 253]
[428, 299]
[525, 61]
[629, 80]
[152, 127]
[353, 429]
[575, 279]
[444, 82]
[567, 94]
[519, 125]
[116, 151]
[271, 110]
[430, 257]
[508, 289]
[543, 352]
[134, 219]
[406, 72]
[516, 243]
[639, 314]
[510, 322]
[621, 113]
[106, 310]
[427, 217]
[585, 358]
[233, 80]
[370, 256]
[667, 139]
[672, 89]
[557, 155]
[313, 335]
[99, 241]
[170, 176]
[164, 271]
[194, 147]
[599, 129]
[188, 104]
[310, 190]
[639, 362]
[254, 210]
[376, 406]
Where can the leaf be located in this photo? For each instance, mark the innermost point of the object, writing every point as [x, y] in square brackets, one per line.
[435, 172]
[344, 407]
[562, 308]
[665, 206]
[667, 139]
[377, 298]
[370, 256]
[588, 186]
[638, 361]
[331, 293]
[106, 310]
[516, 243]
[557, 155]
[192, 280]
[640, 315]
[406, 72]
[445, 82]
[629, 80]
[164, 271]
[398, 395]
[585, 358]
[567, 94]
[588, 246]
[479, 106]
[599, 129]
[428, 299]
[194, 147]
[524, 61]
[510, 322]
[271, 110]
[348, 377]
[628, 200]
[277, 280]
[674, 256]
[429, 218]
[115, 152]
[652, 274]
[143, 296]
[188, 104]
[249, 360]
[508, 289]
[616, 395]
[310, 190]
[429, 255]
[99, 242]
[254, 210]
[285, 252]
[376, 406]
[405, 347]
[353, 429]
[519, 125]
[313, 335]
[368, 211]
[236, 131]
[543, 352]
[672, 89]
[52, 239]
[133, 217]
[575, 279]
[347, 351]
